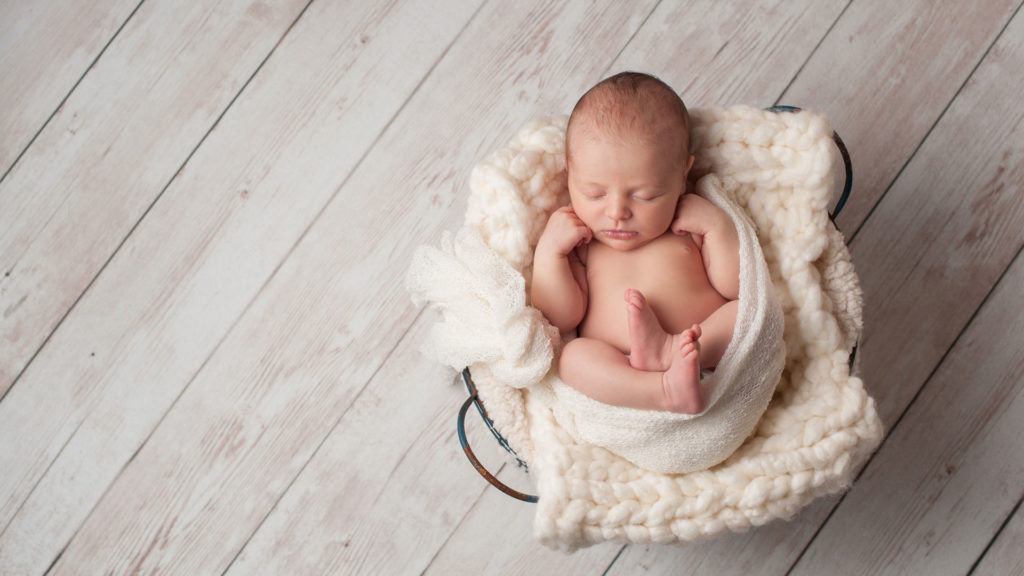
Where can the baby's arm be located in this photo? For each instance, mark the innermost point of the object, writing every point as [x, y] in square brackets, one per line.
[719, 243]
[559, 287]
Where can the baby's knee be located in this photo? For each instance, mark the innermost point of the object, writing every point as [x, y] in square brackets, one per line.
[572, 347]
[581, 356]
[571, 352]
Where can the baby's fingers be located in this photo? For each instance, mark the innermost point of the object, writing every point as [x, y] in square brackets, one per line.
[586, 233]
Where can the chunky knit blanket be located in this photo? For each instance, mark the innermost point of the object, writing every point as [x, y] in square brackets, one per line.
[820, 423]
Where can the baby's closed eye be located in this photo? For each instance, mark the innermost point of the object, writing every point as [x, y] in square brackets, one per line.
[647, 195]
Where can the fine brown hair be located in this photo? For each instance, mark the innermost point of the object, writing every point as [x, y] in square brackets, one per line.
[631, 104]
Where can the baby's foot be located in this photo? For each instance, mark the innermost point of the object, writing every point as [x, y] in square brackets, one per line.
[681, 381]
[650, 347]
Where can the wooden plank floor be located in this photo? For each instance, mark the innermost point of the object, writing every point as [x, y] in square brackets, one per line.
[208, 361]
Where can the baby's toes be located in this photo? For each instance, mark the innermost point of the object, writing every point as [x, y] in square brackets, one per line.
[635, 298]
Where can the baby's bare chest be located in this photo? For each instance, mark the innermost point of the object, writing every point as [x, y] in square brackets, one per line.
[669, 272]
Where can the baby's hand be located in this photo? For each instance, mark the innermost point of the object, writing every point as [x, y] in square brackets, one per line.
[696, 215]
[563, 233]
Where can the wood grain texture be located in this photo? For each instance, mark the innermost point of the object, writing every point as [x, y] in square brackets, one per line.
[884, 75]
[105, 157]
[69, 217]
[318, 300]
[940, 488]
[416, 183]
[1006, 556]
[731, 53]
[952, 224]
[152, 319]
[387, 486]
[45, 48]
[945, 232]
[496, 538]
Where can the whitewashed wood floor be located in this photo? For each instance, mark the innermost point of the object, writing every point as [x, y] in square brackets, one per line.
[209, 363]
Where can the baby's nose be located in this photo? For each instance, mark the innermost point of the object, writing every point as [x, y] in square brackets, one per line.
[618, 209]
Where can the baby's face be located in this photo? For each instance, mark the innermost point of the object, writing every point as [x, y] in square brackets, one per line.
[625, 190]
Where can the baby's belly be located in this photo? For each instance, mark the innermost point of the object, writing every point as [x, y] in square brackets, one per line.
[669, 272]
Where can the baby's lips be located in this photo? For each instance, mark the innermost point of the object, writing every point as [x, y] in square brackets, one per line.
[619, 234]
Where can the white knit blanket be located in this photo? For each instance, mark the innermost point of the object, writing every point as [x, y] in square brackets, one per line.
[820, 423]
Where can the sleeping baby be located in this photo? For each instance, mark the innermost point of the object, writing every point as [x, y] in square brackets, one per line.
[646, 273]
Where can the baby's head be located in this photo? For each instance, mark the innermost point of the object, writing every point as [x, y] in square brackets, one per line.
[631, 105]
[627, 154]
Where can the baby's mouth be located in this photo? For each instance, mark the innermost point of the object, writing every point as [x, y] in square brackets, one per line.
[619, 234]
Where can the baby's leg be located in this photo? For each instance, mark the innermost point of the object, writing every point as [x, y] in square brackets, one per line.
[716, 333]
[602, 372]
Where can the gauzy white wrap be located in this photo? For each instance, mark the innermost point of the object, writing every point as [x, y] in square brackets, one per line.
[736, 393]
[820, 424]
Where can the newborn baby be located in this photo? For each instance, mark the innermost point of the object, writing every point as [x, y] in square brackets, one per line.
[647, 274]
